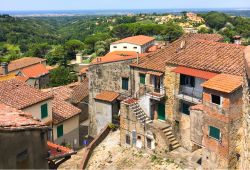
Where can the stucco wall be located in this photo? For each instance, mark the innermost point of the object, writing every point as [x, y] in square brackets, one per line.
[35, 110]
[70, 132]
[130, 47]
[29, 146]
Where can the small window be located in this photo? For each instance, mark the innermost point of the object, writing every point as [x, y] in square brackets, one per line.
[124, 46]
[216, 99]
[128, 139]
[114, 46]
[214, 132]
[184, 108]
[142, 78]
[44, 111]
[59, 131]
[135, 47]
[149, 143]
[125, 83]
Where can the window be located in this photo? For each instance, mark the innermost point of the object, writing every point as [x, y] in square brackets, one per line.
[44, 111]
[216, 99]
[59, 131]
[214, 132]
[124, 46]
[114, 46]
[184, 108]
[127, 139]
[135, 47]
[125, 83]
[149, 143]
[187, 80]
[142, 78]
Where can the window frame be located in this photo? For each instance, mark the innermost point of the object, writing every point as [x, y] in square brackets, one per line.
[125, 80]
[135, 47]
[125, 47]
[43, 115]
[59, 127]
[214, 137]
[114, 46]
[181, 108]
[216, 96]
[141, 75]
[186, 80]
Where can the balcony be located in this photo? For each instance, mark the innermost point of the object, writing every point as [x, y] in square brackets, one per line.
[190, 94]
[155, 93]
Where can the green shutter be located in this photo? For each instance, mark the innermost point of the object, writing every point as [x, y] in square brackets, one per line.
[125, 83]
[59, 131]
[142, 78]
[214, 132]
[44, 111]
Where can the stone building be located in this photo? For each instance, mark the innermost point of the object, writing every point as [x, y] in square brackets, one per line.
[109, 83]
[200, 101]
[23, 140]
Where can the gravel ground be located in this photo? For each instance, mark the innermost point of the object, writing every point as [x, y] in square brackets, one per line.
[110, 155]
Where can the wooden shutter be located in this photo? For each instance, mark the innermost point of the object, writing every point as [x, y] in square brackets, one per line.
[125, 83]
[214, 132]
[59, 131]
[44, 111]
[182, 79]
[142, 78]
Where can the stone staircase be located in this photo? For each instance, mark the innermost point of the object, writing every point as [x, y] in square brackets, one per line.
[139, 113]
[168, 132]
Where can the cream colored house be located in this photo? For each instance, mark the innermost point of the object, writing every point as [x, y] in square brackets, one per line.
[138, 44]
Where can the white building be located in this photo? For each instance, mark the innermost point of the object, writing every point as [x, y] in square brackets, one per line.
[140, 44]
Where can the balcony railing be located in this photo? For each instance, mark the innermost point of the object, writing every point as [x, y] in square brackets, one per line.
[150, 89]
[190, 94]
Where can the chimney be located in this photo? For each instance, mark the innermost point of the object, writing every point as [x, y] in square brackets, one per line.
[237, 40]
[183, 43]
[79, 58]
[4, 66]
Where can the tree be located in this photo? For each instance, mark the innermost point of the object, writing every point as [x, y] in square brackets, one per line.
[57, 56]
[172, 32]
[122, 31]
[71, 47]
[61, 76]
[39, 50]
[216, 20]
[91, 40]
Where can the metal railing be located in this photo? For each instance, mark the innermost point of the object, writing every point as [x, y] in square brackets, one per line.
[144, 89]
[190, 94]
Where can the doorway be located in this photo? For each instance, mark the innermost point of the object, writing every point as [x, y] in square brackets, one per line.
[161, 111]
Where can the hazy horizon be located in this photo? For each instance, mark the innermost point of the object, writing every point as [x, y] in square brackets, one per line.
[57, 5]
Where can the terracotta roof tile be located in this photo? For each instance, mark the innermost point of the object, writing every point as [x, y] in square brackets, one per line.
[23, 62]
[63, 110]
[57, 150]
[194, 72]
[138, 40]
[80, 91]
[157, 60]
[18, 94]
[108, 96]
[130, 101]
[116, 56]
[12, 119]
[224, 83]
[211, 56]
[35, 71]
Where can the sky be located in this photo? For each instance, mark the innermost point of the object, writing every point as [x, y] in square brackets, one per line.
[9, 5]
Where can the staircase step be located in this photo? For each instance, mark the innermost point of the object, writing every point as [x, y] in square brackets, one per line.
[168, 126]
[170, 136]
[175, 146]
[174, 142]
[168, 133]
[167, 130]
[172, 139]
[149, 121]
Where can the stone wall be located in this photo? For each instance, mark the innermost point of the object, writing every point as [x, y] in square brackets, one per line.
[106, 76]
[25, 149]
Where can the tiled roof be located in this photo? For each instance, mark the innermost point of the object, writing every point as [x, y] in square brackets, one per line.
[63, 110]
[18, 94]
[194, 72]
[247, 60]
[80, 91]
[62, 92]
[211, 56]
[83, 70]
[138, 40]
[12, 119]
[130, 101]
[157, 60]
[155, 73]
[23, 62]
[224, 83]
[24, 79]
[108, 96]
[35, 71]
[116, 56]
[58, 150]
